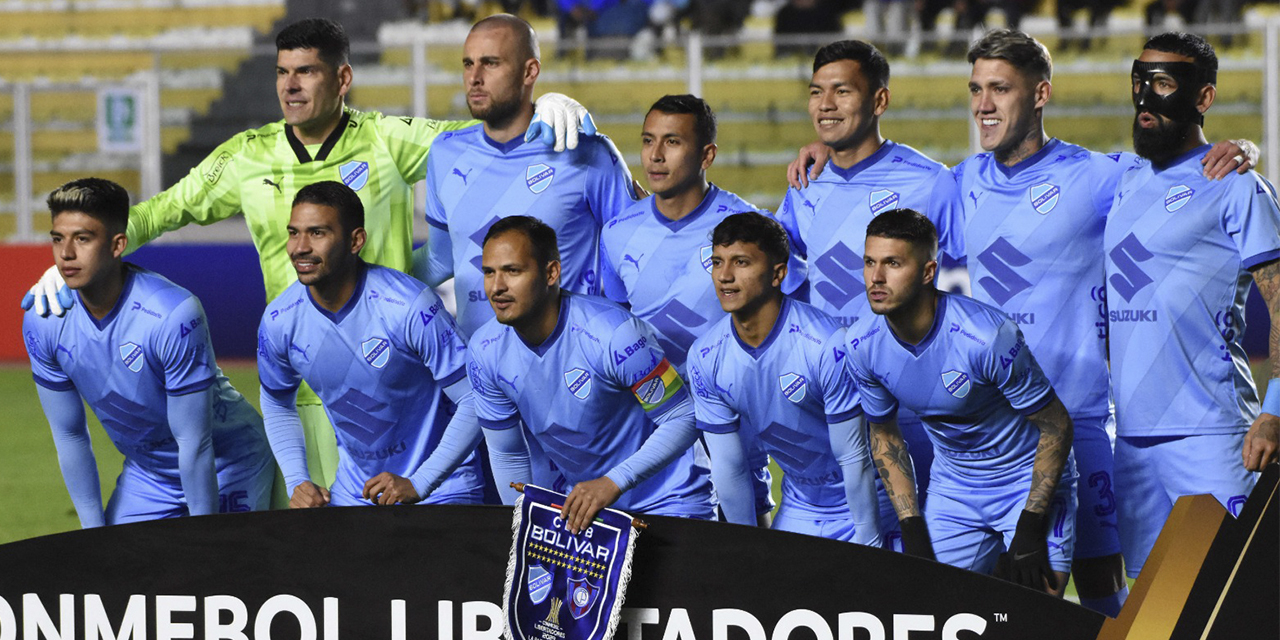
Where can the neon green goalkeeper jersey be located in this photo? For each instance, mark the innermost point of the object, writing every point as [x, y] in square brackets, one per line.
[259, 171]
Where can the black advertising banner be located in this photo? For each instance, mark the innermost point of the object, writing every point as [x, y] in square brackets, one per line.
[438, 572]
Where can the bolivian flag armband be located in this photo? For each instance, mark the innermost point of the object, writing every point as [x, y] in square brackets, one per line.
[660, 385]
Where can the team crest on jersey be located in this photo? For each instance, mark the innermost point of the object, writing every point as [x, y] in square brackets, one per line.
[538, 177]
[1044, 197]
[1177, 197]
[793, 386]
[354, 174]
[582, 595]
[539, 584]
[377, 351]
[957, 383]
[579, 383]
[131, 355]
[882, 199]
[705, 255]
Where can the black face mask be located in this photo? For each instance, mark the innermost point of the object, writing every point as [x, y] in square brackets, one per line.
[1179, 106]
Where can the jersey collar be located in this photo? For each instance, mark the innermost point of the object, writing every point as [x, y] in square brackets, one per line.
[1027, 162]
[502, 147]
[115, 311]
[756, 352]
[350, 306]
[676, 225]
[1194, 153]
[862, 165]
[542, 349]
[300, 149]
[917, 349]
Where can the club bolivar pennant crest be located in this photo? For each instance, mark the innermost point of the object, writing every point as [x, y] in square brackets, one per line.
[562, 586]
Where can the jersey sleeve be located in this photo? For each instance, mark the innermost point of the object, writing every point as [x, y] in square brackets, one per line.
[611, 284]
[878, 404]
[433, 335]
[409, 139]
[184, 349]
[275, 373]
[208, 193]
[609, 185]
[1251, 218]
[1008, 364]
[786, 216]
[946, 211]
[840, 397]
[635, 360]
[494, 409]
[1105, 171]
[710, 410]
[38, 336]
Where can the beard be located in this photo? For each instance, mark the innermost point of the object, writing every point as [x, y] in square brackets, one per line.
[497, 112]
[1161, 143]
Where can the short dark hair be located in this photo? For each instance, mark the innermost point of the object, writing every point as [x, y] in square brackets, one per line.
[337, 195]
[908, 225]
[539, 233]
[704, 120]
[1191, 46]
[327, 37]
[755, 228]
[1025, 53]
[100, 199]
[873, 63]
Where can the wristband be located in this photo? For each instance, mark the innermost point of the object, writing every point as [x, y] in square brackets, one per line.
[1271, 404]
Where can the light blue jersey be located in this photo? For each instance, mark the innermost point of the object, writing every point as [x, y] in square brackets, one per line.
[472, 181]
[783, 395]
[971, 380]
[152, 348]
[590, 395]
[662, 268]
[1032, 237]
[827, 221]
[1179, 248]
[380, 366]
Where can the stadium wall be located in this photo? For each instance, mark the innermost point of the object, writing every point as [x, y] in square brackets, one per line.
[234, 298]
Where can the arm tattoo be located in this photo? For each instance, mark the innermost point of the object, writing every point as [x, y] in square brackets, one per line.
[893, 462]
[1267, 278]
[1056, 435]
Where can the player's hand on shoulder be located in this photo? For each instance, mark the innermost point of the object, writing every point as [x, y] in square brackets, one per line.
[388, 488]
[1227, 156]
[49, 294]
[1262, 442]
[308, 495]
[586, 500]
[556, 120]
[815, 155]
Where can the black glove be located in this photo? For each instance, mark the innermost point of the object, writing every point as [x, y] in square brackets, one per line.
[915, 538]
[1027, 561]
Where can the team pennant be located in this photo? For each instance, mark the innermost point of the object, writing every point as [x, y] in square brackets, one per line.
[562, 586]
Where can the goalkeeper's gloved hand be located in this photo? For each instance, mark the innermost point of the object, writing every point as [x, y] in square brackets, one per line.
[915, 538]
[50, 293]
[1027, 561]
[556, 119]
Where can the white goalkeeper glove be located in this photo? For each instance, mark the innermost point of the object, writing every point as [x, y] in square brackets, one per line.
[48, 294]
[556, 119]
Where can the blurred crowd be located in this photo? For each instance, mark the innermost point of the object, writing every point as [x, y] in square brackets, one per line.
[644, 23]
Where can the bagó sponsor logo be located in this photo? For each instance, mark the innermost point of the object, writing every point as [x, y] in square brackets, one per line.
[1177, 197]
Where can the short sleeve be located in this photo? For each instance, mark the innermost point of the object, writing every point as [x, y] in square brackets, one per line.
[1009, 365]
[946, 210]
[493, 408]
[877, 402]
[433, 335]
[433, 208]
[611, 283]
[275, 373]
[609, 185]
[635, 360]
[409, 139]
[709, 407]
[840, 397]
[39, 337]
[1105, 171]
[1251, 219]
[184, 349]
[786, 216]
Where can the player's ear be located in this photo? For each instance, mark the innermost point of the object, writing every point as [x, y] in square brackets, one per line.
[1044, 90]
[553, 273]
[930, 272]
[1205, 100]
[779, 274]
[119, 242]
[344, 79]
[532, 68]
[708, 155]
[881, 101]
[358, 238]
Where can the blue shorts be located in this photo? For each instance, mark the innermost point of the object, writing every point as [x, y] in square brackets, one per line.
[1097, 534]
[833, 529]
[1153, 472]
[243, 485]
[971, 526]
[464, 486]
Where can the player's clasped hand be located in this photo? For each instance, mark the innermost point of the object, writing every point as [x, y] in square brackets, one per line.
[1027, 561]
[308, 495]
[388, 488]
[586, 500]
